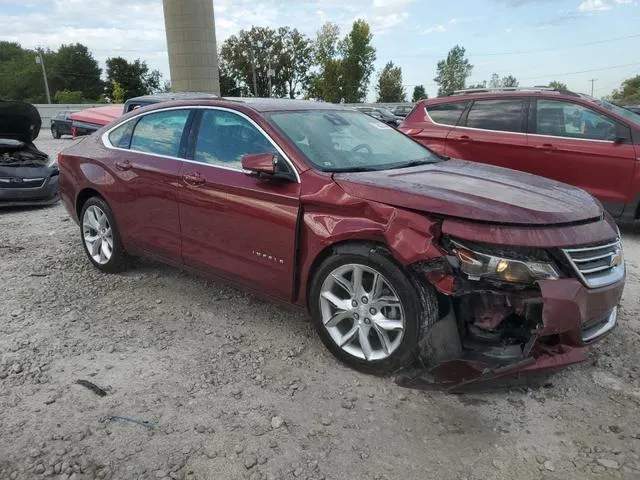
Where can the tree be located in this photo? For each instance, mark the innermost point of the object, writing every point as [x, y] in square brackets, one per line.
[73, 68]
[628, 93]
[134, 78]
[419, 93]
[295, 59]
[358, 56]
[453, 71]
[326, 83]
[504, 82]
[249, 54]
[389, 86]
[117, 92]
[558, 86]
[20, 76]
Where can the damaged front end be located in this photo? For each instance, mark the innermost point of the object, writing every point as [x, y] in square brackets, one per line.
[509, 315]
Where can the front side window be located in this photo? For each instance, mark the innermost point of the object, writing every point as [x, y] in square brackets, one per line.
[446, 113]
[342, 140]
[502, 115]
[160, 132]
[566, 119]
[225, 137]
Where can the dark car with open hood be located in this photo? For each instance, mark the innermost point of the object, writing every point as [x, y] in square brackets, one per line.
[446, 273]
[27, 175]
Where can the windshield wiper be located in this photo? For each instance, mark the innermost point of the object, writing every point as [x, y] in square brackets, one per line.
[355, 169]
[414, 163]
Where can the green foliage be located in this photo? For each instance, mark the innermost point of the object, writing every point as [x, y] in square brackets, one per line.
[117, 92]
[453, 71]
[68, 97]
[286, 51]
[419, 93]
[326, 84]
[358, 55]
[390, 88]
[134, 78]
[71, 68]
[497, 82]
[558, 85]
[628, 93]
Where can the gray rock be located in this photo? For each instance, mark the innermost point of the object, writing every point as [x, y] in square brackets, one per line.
[277, 422]
[548, 465]
[608, 463]
[239, 449]
[201, 429]
[39, 469]
[250, 461]
[16, 368]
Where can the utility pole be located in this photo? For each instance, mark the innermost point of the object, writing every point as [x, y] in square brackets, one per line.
[253, 67]
[40, 60]
[270, 73]
[593, 80]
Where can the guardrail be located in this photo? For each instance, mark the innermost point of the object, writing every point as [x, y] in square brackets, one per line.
[48, 111]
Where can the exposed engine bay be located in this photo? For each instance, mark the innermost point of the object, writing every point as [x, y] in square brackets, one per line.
[14, 153]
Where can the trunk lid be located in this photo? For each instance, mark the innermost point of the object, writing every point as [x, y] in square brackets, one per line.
[475, 191]
[19, 121]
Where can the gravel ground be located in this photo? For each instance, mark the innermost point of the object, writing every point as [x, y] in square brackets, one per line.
[232, 387]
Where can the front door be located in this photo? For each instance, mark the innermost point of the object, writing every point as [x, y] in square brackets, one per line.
[580, 146]
[147, 167]
[242, 227]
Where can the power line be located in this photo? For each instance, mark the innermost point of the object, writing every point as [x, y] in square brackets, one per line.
[525, 52]
[612, 67]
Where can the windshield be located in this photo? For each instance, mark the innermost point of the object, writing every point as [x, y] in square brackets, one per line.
[341, 141]
[623, 112]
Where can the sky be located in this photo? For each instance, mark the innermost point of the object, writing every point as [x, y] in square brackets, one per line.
[537, 41]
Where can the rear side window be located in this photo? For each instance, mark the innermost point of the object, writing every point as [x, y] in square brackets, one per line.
[446, 113]
[501, 115]
[160, 133]
[121, 136]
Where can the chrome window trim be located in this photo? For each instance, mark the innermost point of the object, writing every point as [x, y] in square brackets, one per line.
[107, 143]
[517, 133]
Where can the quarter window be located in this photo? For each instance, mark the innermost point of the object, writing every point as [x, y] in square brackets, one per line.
[502, 115]
[224, 138]
[446, 113]
[566, 119]
[160, 132]
[121, 136]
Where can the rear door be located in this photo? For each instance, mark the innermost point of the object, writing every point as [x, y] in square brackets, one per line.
[148, 167]
[492, 131]
[241, 226]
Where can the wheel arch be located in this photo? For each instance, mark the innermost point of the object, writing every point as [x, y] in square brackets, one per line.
[84, 195]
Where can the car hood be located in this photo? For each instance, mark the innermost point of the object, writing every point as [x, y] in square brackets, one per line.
[98, 115]
[19, 121]
[476, 192]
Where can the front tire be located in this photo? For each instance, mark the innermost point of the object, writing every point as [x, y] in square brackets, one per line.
[100, 236]
[366, 309]
[56, 134]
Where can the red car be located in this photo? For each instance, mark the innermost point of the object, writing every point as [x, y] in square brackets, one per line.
[402, 257]
[566, 136]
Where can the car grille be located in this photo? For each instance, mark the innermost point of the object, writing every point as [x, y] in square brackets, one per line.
[14, 182]
[599, 265]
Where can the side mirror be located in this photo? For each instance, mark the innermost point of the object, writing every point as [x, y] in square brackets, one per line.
[260, 163]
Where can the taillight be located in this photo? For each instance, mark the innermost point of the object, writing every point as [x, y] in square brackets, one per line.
[411, 131]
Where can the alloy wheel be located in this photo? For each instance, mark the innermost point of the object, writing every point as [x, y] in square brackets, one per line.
[362, 312]
[97, 234]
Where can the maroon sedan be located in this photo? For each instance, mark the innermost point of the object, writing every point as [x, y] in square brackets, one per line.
[403, 258]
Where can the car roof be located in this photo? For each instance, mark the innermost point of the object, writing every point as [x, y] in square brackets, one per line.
[493, 95]
[254, 103]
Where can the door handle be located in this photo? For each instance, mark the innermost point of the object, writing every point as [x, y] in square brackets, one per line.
[194, 179]
[123, 165]
[546, 146]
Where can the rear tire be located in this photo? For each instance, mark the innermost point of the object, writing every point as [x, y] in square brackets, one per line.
[100, 236]
[366, 309]
[56, 134]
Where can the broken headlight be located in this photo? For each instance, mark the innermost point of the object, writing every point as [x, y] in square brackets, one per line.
[478, 265]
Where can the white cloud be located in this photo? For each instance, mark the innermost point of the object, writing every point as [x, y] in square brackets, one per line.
[391, 3]
[600, 5]
[439, 28]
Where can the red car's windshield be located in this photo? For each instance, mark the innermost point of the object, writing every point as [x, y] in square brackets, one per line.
[339, 141]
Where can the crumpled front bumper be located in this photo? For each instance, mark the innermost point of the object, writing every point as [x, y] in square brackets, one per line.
[573, 316]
